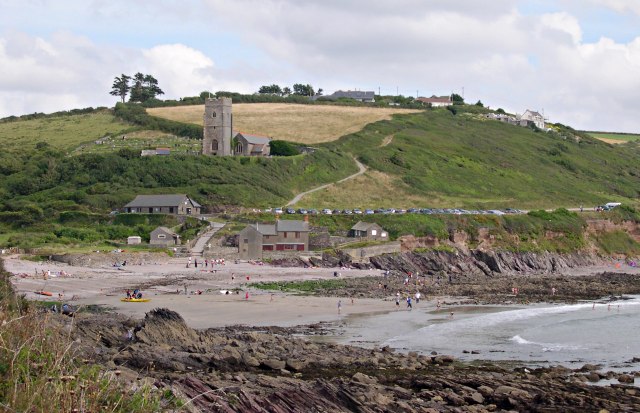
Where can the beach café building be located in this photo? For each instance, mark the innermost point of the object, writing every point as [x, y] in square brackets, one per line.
[283, 236]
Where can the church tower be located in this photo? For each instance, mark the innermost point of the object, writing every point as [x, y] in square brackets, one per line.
[218, 122]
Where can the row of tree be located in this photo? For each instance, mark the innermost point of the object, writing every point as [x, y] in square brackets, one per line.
[140, 87]
[298, 89]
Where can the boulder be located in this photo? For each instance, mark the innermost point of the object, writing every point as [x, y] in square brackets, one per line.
[273, 364]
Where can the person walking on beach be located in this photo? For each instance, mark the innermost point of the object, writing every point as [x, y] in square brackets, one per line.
[398, 301]
[339, 306]
[409, 306]
[417, 297]
[246, 295]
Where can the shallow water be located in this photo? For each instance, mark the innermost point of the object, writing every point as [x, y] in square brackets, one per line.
[539, 335]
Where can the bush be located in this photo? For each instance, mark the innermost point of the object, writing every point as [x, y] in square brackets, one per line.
[283, 148]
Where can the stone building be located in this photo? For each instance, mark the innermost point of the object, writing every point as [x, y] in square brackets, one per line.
[284, 235]
[218, 126]
[368, 230]
[178, 204]
[252, 145]
[164, 236]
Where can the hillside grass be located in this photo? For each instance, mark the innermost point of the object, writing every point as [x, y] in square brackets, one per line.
[307, 124]
[480, 164]
[61, 132]
[142, 139]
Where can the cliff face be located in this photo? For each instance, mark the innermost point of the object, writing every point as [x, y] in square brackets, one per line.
[477, 262]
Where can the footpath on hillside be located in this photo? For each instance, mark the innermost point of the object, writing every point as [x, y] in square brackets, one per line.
[361, 169]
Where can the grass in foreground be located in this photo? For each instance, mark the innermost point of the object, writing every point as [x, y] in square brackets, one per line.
[308, 124]
[40, 370]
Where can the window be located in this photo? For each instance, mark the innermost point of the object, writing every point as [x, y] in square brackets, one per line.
[161, 236]
[297, 234]
[150, 210]
[239, 148]
[214, 145]
[246, 240]
[267, 248]
[300, 247]
[285, 235]
[289, 247]
[213, 114]
[374, 232]
[171, 210]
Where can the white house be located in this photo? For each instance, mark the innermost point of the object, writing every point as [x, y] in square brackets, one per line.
[533, 117]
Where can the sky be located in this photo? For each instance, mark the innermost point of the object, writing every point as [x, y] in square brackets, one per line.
[576, 61]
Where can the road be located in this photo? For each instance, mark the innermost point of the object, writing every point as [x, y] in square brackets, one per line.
[361, 167]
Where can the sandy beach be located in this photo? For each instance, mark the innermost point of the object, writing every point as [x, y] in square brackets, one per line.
[164, 283]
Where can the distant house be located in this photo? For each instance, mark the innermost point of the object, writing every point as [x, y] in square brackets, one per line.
[284, 235]
[368, 230]
[252, 145]
[134, 240]
[164, 236]
[436, 101]
[530, 116]
[362, 96]
[178, 204]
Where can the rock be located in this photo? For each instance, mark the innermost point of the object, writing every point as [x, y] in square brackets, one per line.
[454, 399]
[437, 399]
[625, 378]
[273, 364]
[589, 367]
[443, 359]
[593, 376]
[486, 391]
[475, 352]
[512, 392]
[250, 361]
[476, 397]
[363, 378]
[295, 365]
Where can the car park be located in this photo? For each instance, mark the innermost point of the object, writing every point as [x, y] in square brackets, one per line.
[327, 211]
[357, 211]
[302, 211]
[313, 212]
[291, 211]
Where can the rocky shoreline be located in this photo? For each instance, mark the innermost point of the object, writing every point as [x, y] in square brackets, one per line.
[239, 369]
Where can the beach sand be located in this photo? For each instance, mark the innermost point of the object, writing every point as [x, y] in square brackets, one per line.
[164, 285]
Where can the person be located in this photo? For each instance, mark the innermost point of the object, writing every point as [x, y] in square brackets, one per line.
[233, 277]
[409, 303]
[128, 293]
[339, 306]
[417, 297]
[246, 295]
[195, 263]
[553, 290]
[451, 314]
[438, 305]
[397, 301]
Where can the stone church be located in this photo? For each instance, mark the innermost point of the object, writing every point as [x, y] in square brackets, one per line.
[219, 139]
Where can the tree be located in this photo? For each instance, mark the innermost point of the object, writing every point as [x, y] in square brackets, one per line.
[457, 99]
[479, 103]
[286, 91]
[303, 90]
[121, 87]
[271, 90]
[319, 93]
[144, 87]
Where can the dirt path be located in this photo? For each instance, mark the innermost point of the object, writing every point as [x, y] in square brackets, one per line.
[386, 141]
[362, 169]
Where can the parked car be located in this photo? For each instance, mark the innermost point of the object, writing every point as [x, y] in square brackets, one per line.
[357, 211]
[327, 211]
[347, 212]
[302, 211]
[278, 211]
[368, 211]
[291, 211]
[337, 212]
[267, 209]
[313, 212]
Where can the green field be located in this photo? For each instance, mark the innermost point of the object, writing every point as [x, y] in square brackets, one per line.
[619, 137]
[61, 132]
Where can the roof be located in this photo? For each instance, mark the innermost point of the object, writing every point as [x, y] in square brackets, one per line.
[163, 151]
[166, 231]
[363, 226]
[159, 201]
[290, 225]
[255, 139]
[532, 113]
[265, 229]
[353, 94]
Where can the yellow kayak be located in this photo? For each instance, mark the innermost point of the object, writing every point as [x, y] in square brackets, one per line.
[135, 300]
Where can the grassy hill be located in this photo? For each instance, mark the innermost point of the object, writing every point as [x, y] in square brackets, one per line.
[432, 158]
[611, 137]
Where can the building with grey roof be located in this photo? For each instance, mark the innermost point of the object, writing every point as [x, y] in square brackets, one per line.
[178, 204]
[252, 145]
[368, 230]
[283, 236]
[163, 236]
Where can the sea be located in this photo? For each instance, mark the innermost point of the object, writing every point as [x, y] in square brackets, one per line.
[599, 332]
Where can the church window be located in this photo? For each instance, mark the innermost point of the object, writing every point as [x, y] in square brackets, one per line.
[213, 114]
[214, 145]
[239, 148]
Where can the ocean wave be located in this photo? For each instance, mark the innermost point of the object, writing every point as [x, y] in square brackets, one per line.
[546, 347]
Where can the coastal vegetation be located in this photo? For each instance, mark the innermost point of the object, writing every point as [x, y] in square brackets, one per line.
[40, 370]
[53, 169]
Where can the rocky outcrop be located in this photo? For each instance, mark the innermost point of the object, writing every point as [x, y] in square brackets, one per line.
[243, 370]
[483, 263]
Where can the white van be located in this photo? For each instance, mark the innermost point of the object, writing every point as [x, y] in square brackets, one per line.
[612, 204]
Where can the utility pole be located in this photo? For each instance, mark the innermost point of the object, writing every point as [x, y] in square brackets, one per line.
[378, 90]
